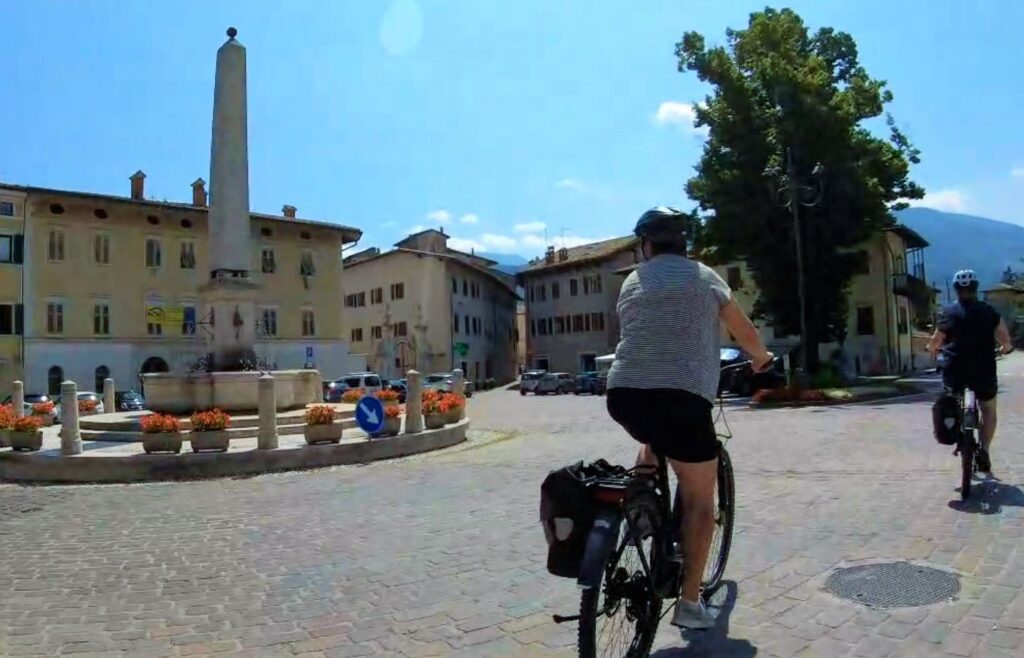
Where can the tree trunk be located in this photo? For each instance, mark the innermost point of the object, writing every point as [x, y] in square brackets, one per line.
[812, 361]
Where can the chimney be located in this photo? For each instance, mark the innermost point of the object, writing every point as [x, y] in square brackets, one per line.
[288, 211]
[563, 255]
[549, 255]
[199, 193]
[138, 185]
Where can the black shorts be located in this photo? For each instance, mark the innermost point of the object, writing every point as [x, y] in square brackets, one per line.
[675, 423]
[985, 387]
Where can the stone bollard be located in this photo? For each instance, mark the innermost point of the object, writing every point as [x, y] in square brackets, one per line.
[70, 436]
[18, 399]
[413, 403]
[109, 403]
[459, 388]
[266, 438]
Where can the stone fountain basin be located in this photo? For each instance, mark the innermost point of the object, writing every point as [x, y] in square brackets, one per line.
[230, 391]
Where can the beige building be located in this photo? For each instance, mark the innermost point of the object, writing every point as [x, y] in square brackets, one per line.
[890, 305]
[109, 287]
[431, 308]
[570, 304]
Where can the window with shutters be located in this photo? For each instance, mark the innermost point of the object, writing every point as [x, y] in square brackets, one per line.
[55, 246]
[187, 257]
[357, 335]
[101, 249]
[307, 267]
[455, 323]
[268, 264]
[377, 296]
[377, 332]
[101, 319]
[559, 325]
[55, 317]
[577, 323]
[554, 290]
[308, 322]
[574, 287]
[11, 320]
[6, 209]
[397, 291]
[401, 329]
[268, 325]
[154, 252]
[6, 249]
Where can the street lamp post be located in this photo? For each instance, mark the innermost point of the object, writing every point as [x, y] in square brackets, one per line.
[792, 194]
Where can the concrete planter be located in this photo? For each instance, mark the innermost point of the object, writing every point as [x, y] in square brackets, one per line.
[392, 426]
[453, 415]
[323, 433]
[217, 440]
[25, 440]
[4, 440]
[45, 420]
[434, 421]
[161, 442]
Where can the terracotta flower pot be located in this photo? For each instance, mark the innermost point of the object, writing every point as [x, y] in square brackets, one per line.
[434, 421]
[25, 440]
[323, 433]
[392, 426]
[161, 442]
[217, 440]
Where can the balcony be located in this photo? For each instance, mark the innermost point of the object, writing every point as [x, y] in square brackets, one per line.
[911, 286]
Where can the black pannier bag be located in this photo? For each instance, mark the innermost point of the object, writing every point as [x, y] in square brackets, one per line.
[567, 511]
[945, 424]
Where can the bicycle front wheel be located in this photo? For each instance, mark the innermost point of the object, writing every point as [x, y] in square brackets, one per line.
[725, 513]
[619, 618]
[966, 463]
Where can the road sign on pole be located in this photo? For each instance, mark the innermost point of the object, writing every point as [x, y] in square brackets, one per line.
[370, 414]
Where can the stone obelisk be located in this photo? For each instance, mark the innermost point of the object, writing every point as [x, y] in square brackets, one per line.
[230, 294]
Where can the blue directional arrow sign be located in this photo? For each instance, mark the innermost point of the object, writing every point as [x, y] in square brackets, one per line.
[370, 414]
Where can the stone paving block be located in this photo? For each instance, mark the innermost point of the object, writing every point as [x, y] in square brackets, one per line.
[960, 644]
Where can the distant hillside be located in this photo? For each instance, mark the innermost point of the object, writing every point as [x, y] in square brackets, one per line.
[959, 241]
[507, 263]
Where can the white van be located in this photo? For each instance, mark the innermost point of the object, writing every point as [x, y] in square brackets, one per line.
[368, 381]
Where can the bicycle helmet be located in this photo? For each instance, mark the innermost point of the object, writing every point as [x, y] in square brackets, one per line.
[661, 224]
[965, 279]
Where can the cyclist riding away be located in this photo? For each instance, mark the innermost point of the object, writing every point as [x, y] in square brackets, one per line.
[966, 335]
[663, 383]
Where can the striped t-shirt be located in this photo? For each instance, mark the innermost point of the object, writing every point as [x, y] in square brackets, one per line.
[669, 327]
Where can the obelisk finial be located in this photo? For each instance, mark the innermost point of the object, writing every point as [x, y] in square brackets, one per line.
[232, 33]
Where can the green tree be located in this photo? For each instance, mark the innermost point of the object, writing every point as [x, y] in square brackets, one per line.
[777, 87]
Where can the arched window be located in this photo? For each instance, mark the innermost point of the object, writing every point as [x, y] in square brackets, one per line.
[54, 378]
[101, 374]
[154, 364]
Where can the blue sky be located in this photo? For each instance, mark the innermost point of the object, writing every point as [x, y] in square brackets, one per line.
[505, 122]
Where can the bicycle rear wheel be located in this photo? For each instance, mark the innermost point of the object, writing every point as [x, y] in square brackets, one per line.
[966, 463]
[619, 618]
[725, 514]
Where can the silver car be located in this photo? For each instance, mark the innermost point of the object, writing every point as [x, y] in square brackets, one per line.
[528, 381]
[556, 383]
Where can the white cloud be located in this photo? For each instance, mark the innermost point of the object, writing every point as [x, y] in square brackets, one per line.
[572, 184]
[464, 244]
[1017, 172]
[678, 114]
[532, 241]
[499, 243]
[439, 215]
[416, 229]
[950, 200]
[469, 218]
[530, 227]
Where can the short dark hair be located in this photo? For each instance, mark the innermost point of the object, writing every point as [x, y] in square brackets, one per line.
[668, 246]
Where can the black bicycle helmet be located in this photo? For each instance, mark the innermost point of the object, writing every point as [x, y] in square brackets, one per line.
[661, 224]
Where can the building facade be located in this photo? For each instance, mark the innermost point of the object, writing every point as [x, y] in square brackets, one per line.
[112, 287]
[570, 304]
[424, 306]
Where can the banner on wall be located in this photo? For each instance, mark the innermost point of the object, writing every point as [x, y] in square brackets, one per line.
[165, 314]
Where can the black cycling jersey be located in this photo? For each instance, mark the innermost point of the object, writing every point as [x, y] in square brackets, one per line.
[970, 345]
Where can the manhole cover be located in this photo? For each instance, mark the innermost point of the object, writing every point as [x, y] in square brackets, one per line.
[893, 585]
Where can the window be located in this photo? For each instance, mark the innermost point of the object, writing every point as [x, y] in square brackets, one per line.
[542, 292]
[154, 328]
[551, 325]
[865, 321]
[554, 290]
[154, 254]
[542, 327]
[597, 321]
[54, 378]
[355, 300]
[533, 328]
[574, 287]
[6, 249]
[401, 329]
[586, 321]
[455, 323]
[377, 296]
[377, 332]
[397, 290]
[476, 289]
[577, 323]
[306, 265]
[532, 296]
[102, 373]
[357, 335]
[188, 321]
[465, 288]
[55, 317]
[12, 322]
[55, 246]
[101, 249]
[101, 319]
[308, 323]
[455, 286]
[6, 209]
[734, 277]
[559, 325]
[188, 255]
[268, 327]
[268, 264]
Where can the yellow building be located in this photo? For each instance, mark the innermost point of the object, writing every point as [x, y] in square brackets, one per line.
[111, 287]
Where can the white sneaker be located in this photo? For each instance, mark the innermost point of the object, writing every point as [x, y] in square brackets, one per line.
[694, 616]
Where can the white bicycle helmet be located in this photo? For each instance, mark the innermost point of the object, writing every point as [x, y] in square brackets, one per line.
[965, 279]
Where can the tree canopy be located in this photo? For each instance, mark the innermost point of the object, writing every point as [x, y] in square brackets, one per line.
[776, 86]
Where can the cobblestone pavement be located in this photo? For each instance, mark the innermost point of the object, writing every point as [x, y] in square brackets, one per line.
[441, 554]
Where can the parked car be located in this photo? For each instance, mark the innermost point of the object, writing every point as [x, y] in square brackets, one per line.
[742, 380]
[528, 381]
[368, 381]
[557, 383]
[591, 382]
[442, 381]
[129, 401]
[30, 399]
[399, 386]
[82, 396]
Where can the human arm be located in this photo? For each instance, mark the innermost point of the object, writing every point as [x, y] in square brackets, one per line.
[746, 334]
[1003, 337]
[936, 341]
